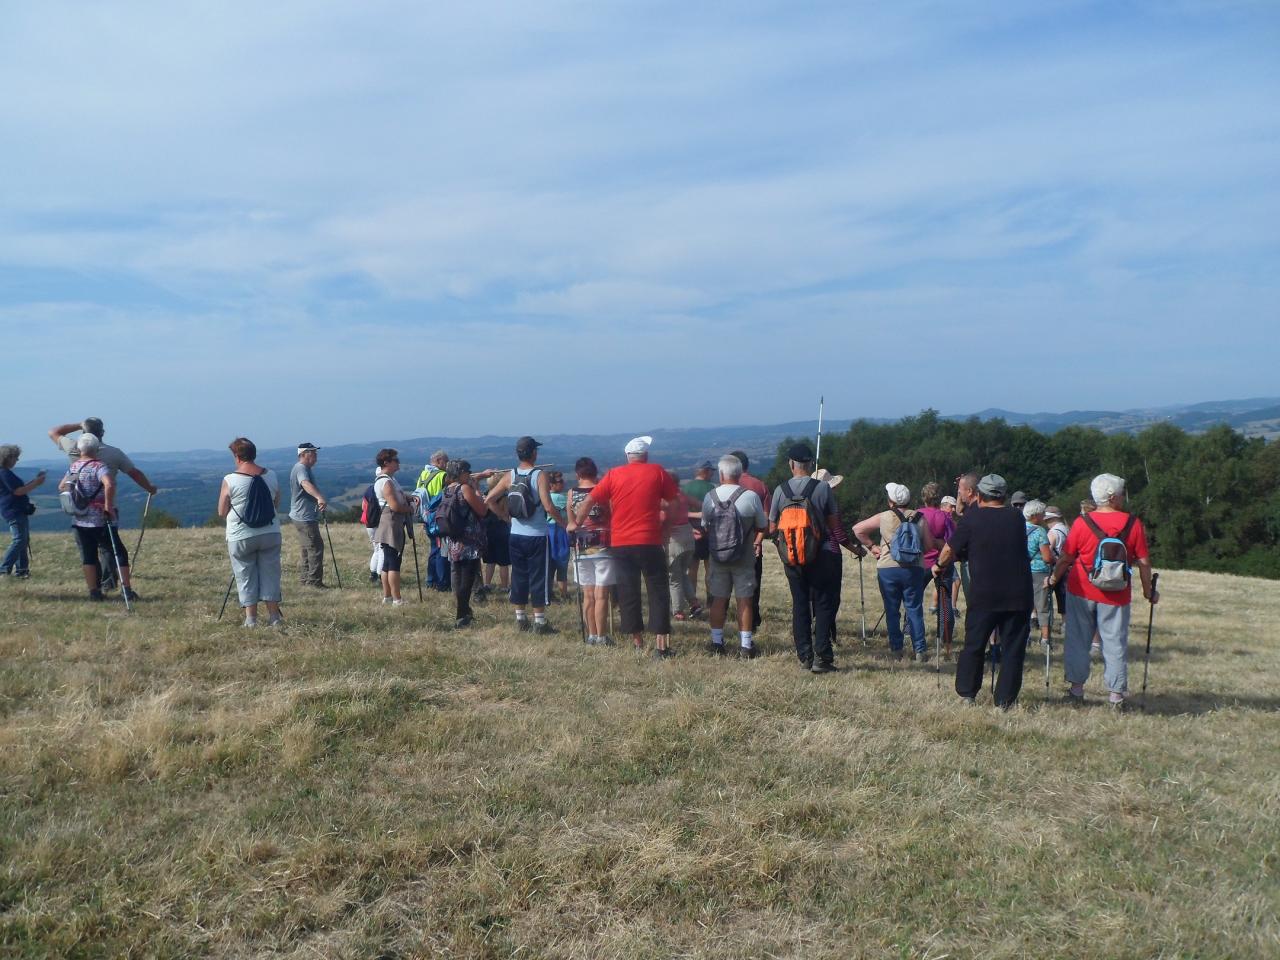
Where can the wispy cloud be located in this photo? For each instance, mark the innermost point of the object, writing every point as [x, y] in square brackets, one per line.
[485, 189]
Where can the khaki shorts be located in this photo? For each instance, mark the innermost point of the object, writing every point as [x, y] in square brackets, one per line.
[736, 578]
[595, 569]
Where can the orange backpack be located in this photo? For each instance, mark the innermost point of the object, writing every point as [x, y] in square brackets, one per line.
[800, 529]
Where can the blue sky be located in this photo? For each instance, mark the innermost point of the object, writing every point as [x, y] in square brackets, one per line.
[342, 221]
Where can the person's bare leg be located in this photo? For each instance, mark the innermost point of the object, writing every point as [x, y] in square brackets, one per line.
[745, 616]
[273, 610]
[250, 613]
[90, 576]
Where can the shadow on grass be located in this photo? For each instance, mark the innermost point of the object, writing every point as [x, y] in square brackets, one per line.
[1199, 703]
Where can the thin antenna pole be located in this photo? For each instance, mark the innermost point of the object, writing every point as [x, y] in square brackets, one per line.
[817, 453]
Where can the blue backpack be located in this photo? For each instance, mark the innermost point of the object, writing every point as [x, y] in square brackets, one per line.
[259, 510]
[906, 547]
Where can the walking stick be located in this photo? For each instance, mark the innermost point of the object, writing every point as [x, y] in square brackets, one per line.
[1048, 646]
[417, 571]
[577, 576]
[862, 603]
[332, 556]
[1146, 659]
[230, 583]
[817, 453]
[142, 532]
[113, 535]
[937, 585]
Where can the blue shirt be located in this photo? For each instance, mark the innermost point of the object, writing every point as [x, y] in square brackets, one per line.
[12, 505]
[1036, 538]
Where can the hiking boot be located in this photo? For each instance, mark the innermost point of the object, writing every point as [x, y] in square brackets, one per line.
[542, 628]
[1074, 699]
[716, 649]
[524, 624]
[462, 623]
[806, 664]
[748, 653]
[821, 667]
[96, 596]
[131, 595]
[969, 701]
[605, 642]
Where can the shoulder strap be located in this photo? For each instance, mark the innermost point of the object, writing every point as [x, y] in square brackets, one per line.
[809, 487]
[1094, 528]
[715, 497]
[1123, 535]
[733, 498]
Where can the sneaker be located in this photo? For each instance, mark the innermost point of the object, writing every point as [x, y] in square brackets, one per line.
[605, 642]
[96, 596]
[462, 623]
[276, 622]
[22, 575]
[524, 624]
[1118, 706]
[249, 622]
[664, 654]
[969, 701]
[806, 664]
[748, 653]
[920, 657]
[820, 667]
[716, 649]
[1074, 699]
[399, 603]
[542, 628]
[131, 595]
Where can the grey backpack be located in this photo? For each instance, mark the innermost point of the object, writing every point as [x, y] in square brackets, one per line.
[727, 540]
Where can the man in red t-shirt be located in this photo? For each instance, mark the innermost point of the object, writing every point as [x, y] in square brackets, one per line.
[635, 494]
[1090, 608]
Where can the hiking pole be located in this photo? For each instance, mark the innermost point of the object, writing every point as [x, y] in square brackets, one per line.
[1048, 646]
[230, 583]
[577, 575]
[142, 532]
[817, 453]
[937, 585]
[862, 602]
[417, 571]
[332, 556]
[1146, 659]
[113, 535]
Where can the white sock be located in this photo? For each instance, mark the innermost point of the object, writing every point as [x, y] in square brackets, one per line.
[717, 636]
[745, 637]
[539, 618]
[520, 615]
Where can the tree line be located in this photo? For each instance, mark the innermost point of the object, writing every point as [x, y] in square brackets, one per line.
[1209, 501]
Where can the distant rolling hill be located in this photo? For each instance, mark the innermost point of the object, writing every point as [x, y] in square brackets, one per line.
[189, 479]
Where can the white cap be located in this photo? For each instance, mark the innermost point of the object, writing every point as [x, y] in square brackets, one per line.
[638, 445]
[950, 500]
[898, 494]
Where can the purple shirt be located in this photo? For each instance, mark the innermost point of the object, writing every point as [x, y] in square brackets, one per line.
[941, 527]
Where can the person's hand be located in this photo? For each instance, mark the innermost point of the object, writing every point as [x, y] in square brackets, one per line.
[759, 548]
[875, 551]
[321, 504]
[1153, 596]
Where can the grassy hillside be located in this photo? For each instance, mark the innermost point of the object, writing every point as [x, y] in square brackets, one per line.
[368, 782]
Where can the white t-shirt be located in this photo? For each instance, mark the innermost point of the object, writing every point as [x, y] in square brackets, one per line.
[748, 505]
[115, 458]
[238, 485]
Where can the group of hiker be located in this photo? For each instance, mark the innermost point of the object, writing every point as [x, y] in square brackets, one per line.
[636, 532]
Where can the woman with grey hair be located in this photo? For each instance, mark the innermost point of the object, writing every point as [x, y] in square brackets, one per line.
[1041, 556]
[16, 508]
[1094, 602]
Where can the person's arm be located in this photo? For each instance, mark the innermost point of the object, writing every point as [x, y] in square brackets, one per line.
[544, 494]
[395, 501]
[945, 559]
[1144, 571]
[863, 529]
[1046, 554]
[57, 433]
[224, 499]
[275, 498]
[839, 537]
[595, 496]
[140, 478]
[478, 506]
[494, 495]
[311, 488]
[762, 528]
[109, 495]
[28, 487]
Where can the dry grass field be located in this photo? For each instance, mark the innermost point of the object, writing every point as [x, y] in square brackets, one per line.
[369, 782]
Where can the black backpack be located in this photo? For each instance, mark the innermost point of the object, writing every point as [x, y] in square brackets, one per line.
[522, 494]
[259, 510]
[451, 514]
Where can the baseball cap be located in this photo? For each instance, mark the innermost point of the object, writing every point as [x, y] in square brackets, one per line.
[638, 445]
[993, 485]
[304, 447]
[898, 494]
[526, 446]
[950, 500]
[706, 465]
[1017, 498]
[800, 452]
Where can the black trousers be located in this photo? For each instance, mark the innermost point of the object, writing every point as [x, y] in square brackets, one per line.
[1012, 628]
[815, 598]
[755, 597]
[462, 577]
[630, 563]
